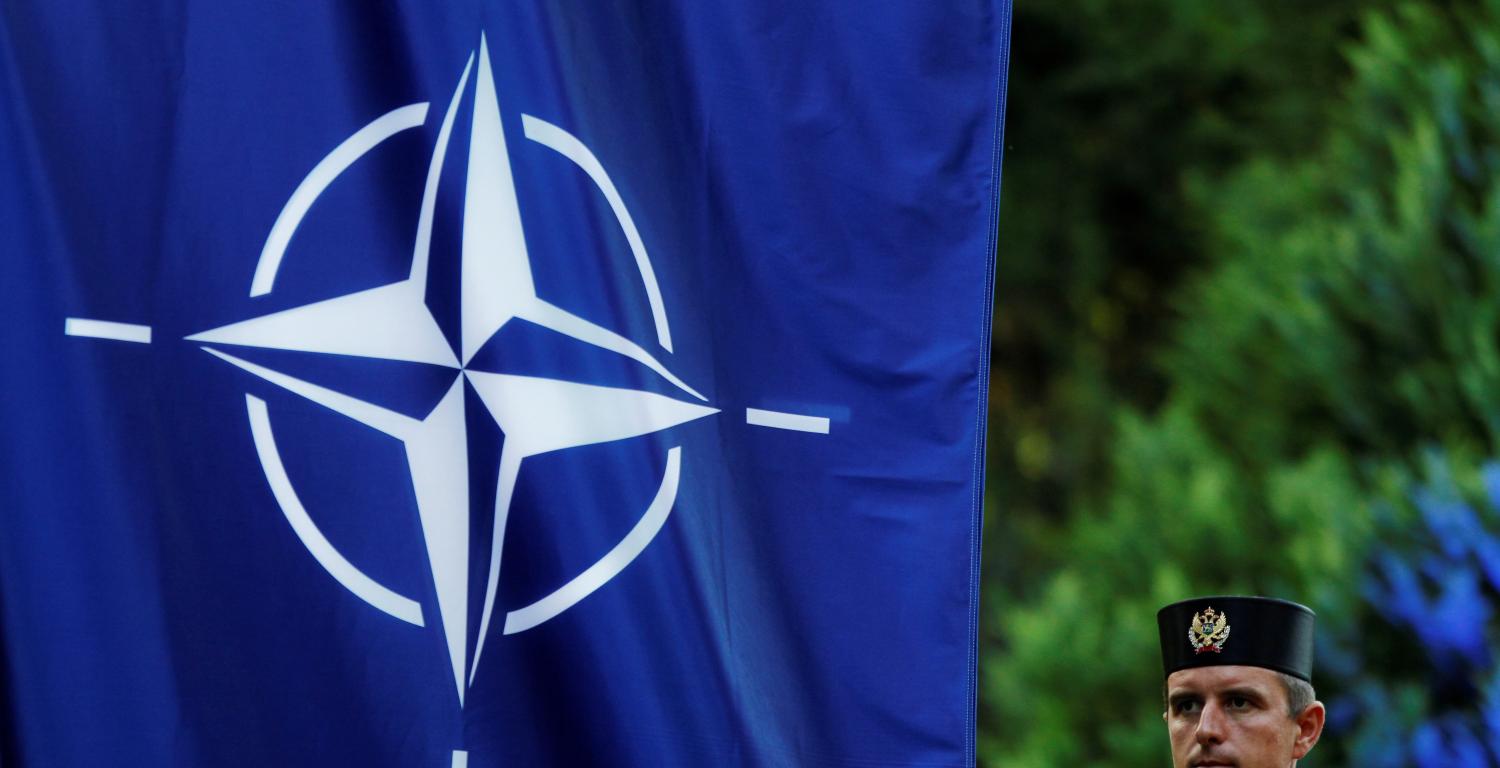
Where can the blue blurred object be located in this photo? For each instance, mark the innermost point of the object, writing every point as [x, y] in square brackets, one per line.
[1423, 686]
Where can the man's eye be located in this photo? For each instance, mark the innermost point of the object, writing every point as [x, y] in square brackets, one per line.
[1239, 702]
[1188, 707]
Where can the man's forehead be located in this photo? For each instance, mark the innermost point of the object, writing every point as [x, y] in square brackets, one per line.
[1206, 679]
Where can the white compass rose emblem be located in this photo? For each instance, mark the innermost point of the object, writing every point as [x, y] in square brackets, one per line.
[393, 322]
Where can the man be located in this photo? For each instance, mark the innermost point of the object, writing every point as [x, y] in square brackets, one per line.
[1239, 682]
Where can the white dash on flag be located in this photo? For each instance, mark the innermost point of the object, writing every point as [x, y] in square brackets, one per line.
[105, 329]
[780, 420]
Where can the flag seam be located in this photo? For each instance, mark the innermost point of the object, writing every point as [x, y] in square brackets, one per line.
[976, 516]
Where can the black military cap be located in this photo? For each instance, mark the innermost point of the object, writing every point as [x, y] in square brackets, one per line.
[1247, 631]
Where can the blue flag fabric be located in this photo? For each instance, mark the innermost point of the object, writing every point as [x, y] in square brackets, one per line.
[440, 384]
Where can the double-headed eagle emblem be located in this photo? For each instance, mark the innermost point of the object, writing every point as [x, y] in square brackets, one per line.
[1210, 630]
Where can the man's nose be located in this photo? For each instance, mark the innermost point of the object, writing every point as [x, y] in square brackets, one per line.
[1211, 724]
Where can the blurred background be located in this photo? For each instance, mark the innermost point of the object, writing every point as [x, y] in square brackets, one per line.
[1247, 339]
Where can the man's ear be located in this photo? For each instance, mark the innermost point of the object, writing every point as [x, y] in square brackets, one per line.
[1309, 728]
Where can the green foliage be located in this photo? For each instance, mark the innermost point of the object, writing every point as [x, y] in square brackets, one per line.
[1357, 299]
[1118, 108]
[1327, 236]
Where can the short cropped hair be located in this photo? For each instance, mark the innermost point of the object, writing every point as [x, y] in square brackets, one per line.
[1299, 693]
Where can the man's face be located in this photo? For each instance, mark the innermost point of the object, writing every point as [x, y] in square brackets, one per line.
[1236, 716]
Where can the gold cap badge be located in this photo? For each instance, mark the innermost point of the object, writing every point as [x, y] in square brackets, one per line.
[1209, 631]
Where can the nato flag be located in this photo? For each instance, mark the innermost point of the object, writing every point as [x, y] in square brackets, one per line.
[400, 383]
